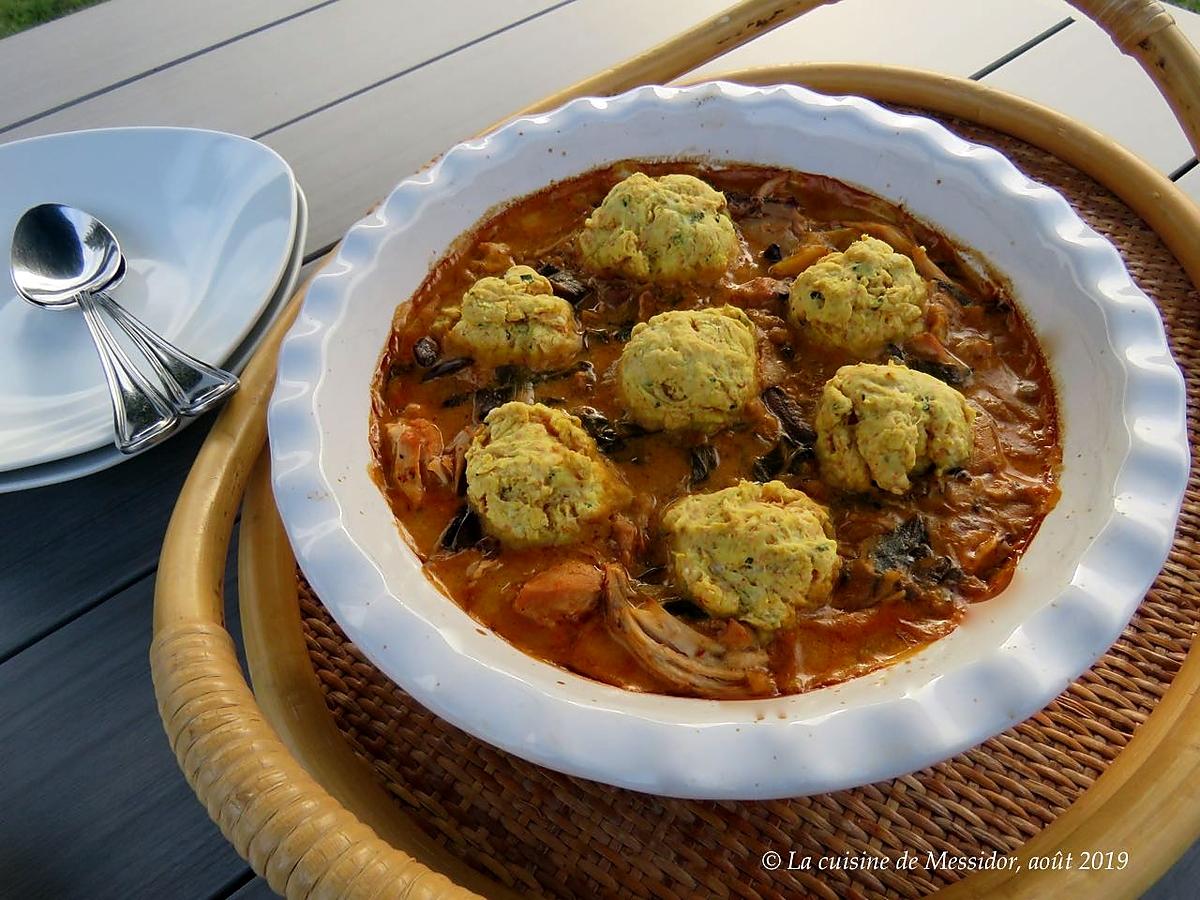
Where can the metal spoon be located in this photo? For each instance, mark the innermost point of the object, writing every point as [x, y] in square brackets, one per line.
[194, 386]
[59, 256]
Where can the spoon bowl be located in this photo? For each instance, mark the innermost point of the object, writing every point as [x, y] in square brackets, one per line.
[58, 252]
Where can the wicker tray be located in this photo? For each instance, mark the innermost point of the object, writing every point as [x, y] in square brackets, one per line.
[453, 813]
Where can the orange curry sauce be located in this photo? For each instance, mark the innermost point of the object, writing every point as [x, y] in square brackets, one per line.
[909, 564]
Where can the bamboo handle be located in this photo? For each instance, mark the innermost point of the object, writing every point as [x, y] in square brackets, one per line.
[293, 833]
[1128, 22]
[302, 840]
[1144, 30]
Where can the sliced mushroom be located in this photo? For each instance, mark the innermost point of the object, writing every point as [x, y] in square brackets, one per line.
[464, 530]
[677, 653]
[791, 417]
[426, 352]
[446, 367]
[565, 284]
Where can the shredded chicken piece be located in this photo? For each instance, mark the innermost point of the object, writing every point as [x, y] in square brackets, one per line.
[991, 550]
[768, 187]
[479, 568]
[759, 293]
[901, 243]
[564, 593]
[926, 346]
[1011, 484]
[496, 257]
[988, 451]
[677, 653]
[448, 467]
[628, 538]
[648, 305]
[736, 636]
[421, 461]
[412, 443]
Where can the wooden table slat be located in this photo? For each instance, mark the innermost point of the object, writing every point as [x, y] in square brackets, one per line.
[94, 805]
[256, 889]
[947, 35]
[70, 545]
[276, 75]
[117, 40]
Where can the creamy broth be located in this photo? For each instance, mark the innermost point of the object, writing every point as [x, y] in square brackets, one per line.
[909, 564]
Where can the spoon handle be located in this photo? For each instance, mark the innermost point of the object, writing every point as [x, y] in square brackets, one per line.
[195, 386]
[142, 416]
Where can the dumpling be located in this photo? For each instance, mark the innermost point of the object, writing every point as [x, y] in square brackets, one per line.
[692, 369]
[670, 229]
[755, 552]
[860, 300]
[883, 424]
[515, 320]
[536, 478]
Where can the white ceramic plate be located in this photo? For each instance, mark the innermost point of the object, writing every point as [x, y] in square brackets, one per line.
[1125, 458]
[106, 457]
[206, 221]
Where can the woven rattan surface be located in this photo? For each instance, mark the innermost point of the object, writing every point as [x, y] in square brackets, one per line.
[548, 834]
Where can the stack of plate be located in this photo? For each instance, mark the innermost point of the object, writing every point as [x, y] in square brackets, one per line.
[212, 226]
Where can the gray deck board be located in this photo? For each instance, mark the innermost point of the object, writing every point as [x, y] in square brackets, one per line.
[92, 803]
[256, 889]
[119, 40]
[242, 88]
[68, 546]
[350, 155]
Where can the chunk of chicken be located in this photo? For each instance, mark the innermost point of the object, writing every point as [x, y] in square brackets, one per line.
[760, 293]
[495, 257]
[412, 444]
[448, 467]
[926, 348]
[628, 538]
[677, 653]
[566, 592]
[421, 461]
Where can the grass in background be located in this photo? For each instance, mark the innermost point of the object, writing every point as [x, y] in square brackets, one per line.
[17, 15]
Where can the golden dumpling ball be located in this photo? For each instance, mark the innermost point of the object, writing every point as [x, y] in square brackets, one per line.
[536, 478]
[860, 300]
[670, 229]
[693, 369]
[515, 320]
[755, 552]
[881, 425]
